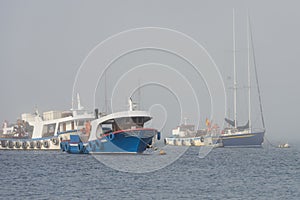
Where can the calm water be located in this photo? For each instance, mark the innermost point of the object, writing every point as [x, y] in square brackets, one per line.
[223, 174]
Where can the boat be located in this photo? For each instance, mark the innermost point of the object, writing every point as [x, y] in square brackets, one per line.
[285, 145]
[43, 131]
[247, 135]
[186, 135]
[119, 132]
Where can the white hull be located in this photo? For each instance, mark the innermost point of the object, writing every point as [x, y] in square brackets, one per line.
[42, 144]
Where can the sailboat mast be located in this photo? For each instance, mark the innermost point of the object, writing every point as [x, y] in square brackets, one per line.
[256, 76]
[249, 74]
[234, 75]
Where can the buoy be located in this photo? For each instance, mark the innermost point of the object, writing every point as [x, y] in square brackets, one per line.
[11, 144]
[38, 144]
[182, 143]
[32, 145]
[55, 141]
[162, 152]
[24, 145]
[46, 144]
[18, 144]
[4, 143]
[202, 139]
[111, 136]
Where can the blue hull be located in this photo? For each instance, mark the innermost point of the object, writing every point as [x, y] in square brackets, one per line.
[243, 140]
[131, 141]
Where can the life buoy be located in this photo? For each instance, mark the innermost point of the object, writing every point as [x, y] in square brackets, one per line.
[18, 144]
[111, 136]
[24, 145]
[11, 144]
[55, 141]
[4, 143]
[182, 142]
[46, 144]
[38, 144]
[32, 145]
[202, 139]
[192, 142]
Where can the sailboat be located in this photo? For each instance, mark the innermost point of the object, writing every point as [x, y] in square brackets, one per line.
[243, 136]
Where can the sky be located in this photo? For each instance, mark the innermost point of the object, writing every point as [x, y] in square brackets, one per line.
[44, 43]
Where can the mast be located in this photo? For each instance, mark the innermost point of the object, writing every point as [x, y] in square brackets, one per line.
[105, 92]
[249, 74]
[139, 96]
[234, 74]
[256, 77]
[79, 107]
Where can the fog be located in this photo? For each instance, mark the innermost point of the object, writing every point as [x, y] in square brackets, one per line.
[43, 44]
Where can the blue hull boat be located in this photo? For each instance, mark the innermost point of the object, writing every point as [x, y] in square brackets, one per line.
[121, 132]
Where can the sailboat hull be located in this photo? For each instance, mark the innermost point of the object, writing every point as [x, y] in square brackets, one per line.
[243, 140]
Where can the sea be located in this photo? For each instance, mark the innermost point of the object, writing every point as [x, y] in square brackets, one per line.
[224, 173]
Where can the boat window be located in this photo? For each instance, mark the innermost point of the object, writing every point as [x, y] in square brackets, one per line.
[107, 128]
[48, 130]
[100, 132]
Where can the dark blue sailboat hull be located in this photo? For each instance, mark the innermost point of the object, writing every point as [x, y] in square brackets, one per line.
[243, 140]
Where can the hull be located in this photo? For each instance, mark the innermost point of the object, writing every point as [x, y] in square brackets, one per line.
[128, 141]
[243, 140]
[29, 144]
[195, 141]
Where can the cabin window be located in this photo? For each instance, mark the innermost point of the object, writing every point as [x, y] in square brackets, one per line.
[64, 126]
[107, 128]
[49, 130]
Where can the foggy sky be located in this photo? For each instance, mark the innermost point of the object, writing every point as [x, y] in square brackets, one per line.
[43, 44]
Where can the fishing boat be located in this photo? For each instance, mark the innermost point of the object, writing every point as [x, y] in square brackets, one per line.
[43, 131]
[120, 132]
[186, 135]
[247, 135]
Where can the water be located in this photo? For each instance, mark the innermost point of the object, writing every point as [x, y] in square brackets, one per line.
[223, 174]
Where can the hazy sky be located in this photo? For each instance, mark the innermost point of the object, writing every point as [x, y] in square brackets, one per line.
[43, 43]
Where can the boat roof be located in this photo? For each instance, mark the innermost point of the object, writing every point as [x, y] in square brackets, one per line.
[124, 114]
